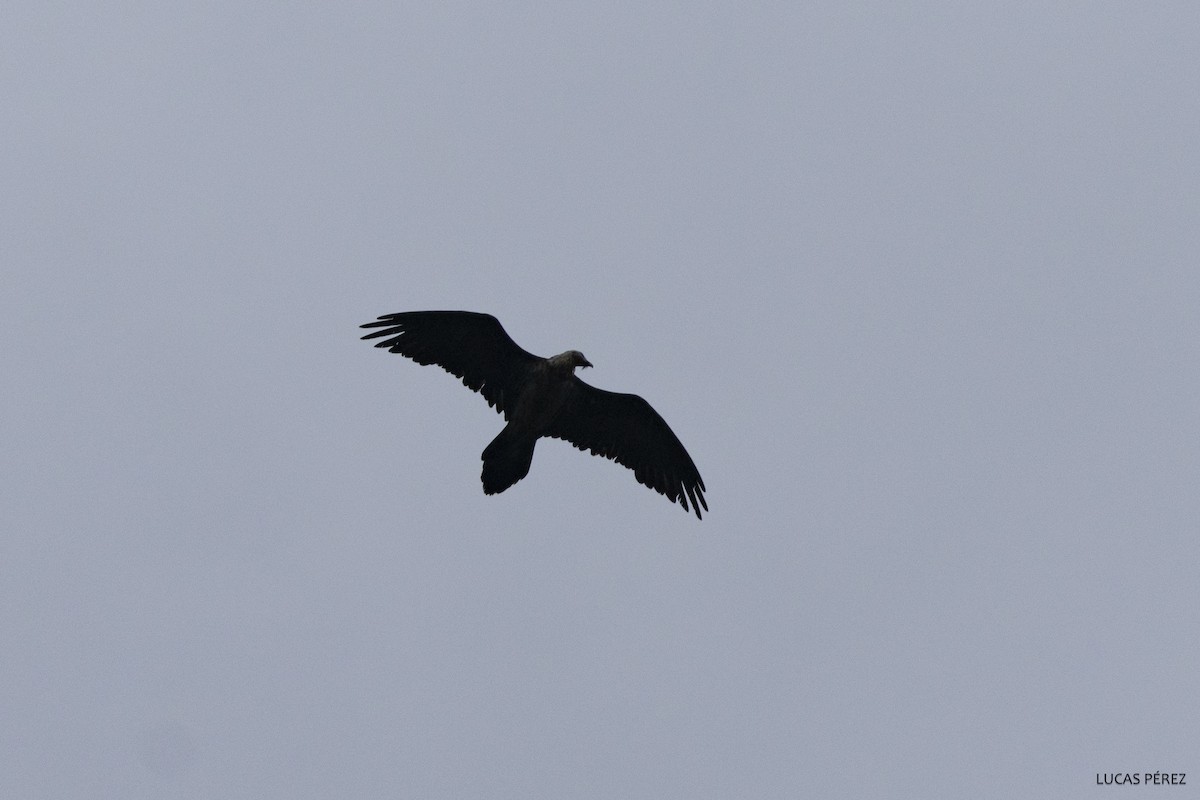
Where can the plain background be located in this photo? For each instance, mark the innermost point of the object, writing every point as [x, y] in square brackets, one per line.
[916, 284]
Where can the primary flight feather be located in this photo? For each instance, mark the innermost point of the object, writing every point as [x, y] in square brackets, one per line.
[543, 397]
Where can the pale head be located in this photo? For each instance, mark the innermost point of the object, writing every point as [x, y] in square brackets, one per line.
[569, 360]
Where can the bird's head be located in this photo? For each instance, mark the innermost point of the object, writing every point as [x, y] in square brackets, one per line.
[568, 361]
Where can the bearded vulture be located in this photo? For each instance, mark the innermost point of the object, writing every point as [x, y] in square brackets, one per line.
[543, 397]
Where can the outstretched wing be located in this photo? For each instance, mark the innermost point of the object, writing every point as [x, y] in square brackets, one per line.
[625, 428]
[471, 346]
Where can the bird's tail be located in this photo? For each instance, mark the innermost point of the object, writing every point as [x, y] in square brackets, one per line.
[506, 460]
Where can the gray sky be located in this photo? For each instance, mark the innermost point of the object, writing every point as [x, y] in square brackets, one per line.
[915, 283]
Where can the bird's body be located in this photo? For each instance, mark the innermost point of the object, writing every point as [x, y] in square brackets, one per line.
[543, 397]
[547, 389]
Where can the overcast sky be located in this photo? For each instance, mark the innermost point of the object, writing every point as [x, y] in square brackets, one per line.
[915, 283]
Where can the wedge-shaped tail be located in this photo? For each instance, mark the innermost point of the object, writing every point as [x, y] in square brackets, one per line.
[506, 460]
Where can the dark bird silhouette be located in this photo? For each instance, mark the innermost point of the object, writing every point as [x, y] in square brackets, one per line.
[543, 397]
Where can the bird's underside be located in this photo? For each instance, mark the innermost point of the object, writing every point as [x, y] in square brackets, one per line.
[543, 397]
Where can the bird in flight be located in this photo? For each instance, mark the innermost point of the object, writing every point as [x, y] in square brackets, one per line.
[543, 397]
